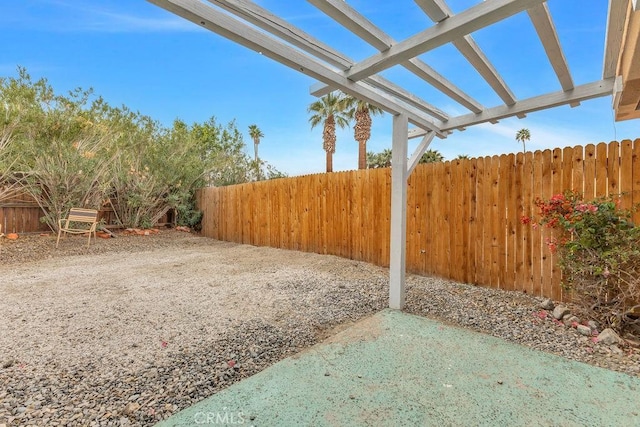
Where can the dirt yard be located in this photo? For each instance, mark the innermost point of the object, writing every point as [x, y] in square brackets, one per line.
[112, 333]
[135, 328]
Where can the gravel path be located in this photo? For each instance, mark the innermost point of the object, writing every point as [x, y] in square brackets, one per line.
[136, 328]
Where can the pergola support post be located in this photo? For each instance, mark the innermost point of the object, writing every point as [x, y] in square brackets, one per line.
[398, 246]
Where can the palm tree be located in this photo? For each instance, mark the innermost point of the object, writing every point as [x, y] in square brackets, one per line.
[329, 110]
[255, 133]
[361, 111]
[523, 135]
[463, 157]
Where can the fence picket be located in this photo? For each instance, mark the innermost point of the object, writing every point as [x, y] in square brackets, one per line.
[547, 193]
[480, 221]
[626, 174]
[472, 194]
[488, 220]
[613, 169]
[635, 166]
[536, 241]
[510, 214]
[556, 188]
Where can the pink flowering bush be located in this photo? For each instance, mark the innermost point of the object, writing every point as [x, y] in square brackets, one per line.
[598, 250]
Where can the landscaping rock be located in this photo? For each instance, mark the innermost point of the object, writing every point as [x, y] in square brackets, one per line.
[131, 408]
[592, 324]
[608, 337]
[584, 330]
[8, 363]
[560, 311]
[547, 304]
[570, 320]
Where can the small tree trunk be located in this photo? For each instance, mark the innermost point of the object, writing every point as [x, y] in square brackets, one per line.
[329, 161]
[255, 150]
[362, 155]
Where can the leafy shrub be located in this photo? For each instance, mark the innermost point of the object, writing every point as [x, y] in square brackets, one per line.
[77, 150]
[55, 145]
[599, 254]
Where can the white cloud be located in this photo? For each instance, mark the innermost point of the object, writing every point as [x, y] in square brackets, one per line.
[105, 21]
[81, 16]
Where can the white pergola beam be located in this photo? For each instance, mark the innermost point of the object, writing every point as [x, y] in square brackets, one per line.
[542, 22]
[437, 10]
[537, 103]
[344, 14]
[472, 19]
[431, 76]
[476, 57]
[613, 41]
[349, 18]
[542, 102]
[398, 246]
[472, 52]
[262, 18]
[320, 89]
[245, 35]
[617, 93]
[271, 23]
[419, 151]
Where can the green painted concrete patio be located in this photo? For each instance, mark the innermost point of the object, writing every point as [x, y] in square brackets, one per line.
[397, 369]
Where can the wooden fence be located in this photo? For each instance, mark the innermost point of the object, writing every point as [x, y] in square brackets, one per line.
[21, 214]
[463, 216]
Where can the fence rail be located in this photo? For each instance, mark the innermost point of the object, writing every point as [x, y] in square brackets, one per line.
[463, 216]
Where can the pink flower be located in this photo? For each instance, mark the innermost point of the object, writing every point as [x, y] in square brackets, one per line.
[586, 207]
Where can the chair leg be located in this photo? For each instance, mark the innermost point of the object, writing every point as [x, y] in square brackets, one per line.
[58, 241]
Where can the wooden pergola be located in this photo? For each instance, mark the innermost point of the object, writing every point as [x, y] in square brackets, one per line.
[254, 27]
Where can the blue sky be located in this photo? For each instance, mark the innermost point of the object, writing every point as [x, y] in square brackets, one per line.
[131, 52]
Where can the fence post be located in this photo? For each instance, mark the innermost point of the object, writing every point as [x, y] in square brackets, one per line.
[398, 242]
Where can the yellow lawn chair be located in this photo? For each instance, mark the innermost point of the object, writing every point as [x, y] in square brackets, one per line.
[79, 221]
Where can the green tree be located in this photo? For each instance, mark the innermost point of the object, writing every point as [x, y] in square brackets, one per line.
[431, 156]
[383, 159]
[379, 160]
[57, 145]
[361, 112]
[329, 110]
[17, 110]
[522, 136]
[255, 133]
[463, 157]
[78, 151]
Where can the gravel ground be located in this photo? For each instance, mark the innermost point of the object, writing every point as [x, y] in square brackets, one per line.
[133, 329]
